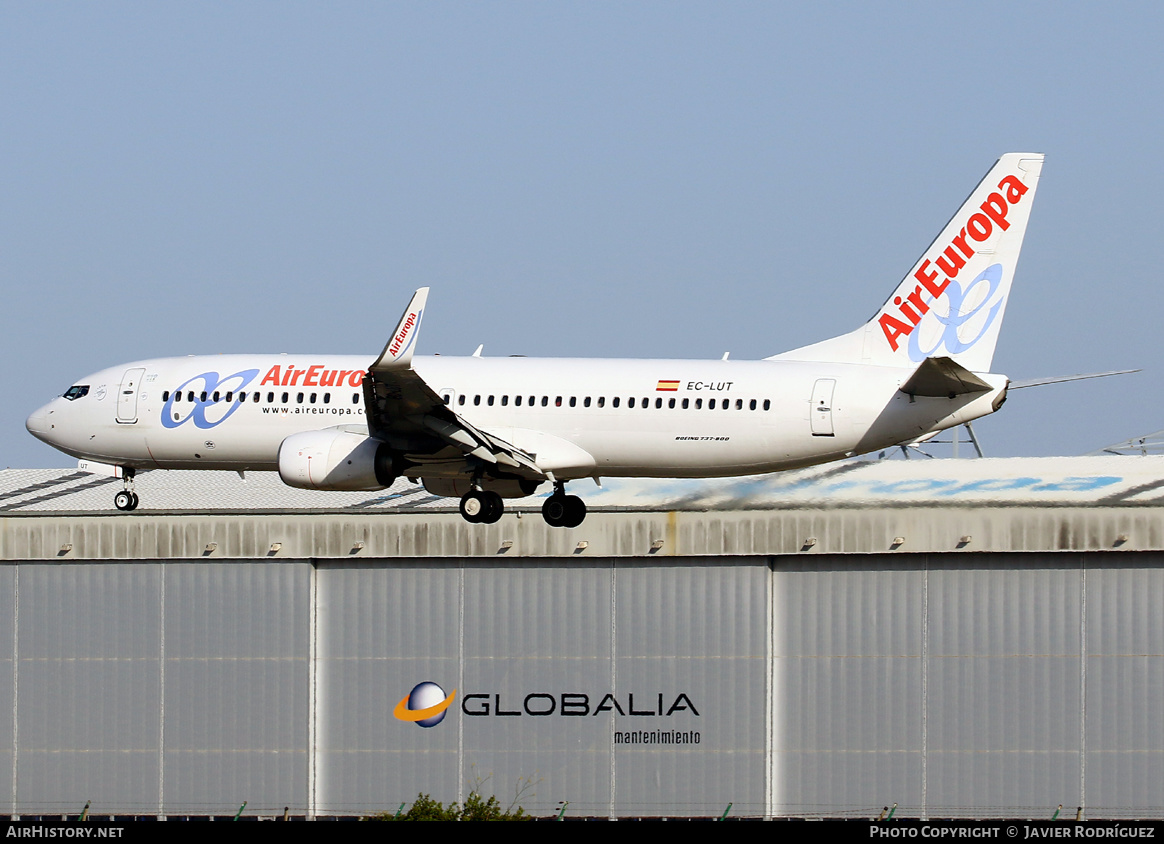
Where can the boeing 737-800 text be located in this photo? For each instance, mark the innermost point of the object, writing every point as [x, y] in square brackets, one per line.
[488, 429]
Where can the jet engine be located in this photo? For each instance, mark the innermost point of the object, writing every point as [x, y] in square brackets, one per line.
[337, 460]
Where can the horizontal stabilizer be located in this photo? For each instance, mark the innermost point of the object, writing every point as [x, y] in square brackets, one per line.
[1057, 379]
[942, 377]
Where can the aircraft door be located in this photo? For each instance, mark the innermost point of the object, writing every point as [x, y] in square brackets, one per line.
[821, 412]
[127, 396]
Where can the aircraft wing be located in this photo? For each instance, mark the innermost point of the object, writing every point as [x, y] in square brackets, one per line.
[407, 413]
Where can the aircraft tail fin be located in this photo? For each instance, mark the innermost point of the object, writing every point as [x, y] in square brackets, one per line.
[952, 302]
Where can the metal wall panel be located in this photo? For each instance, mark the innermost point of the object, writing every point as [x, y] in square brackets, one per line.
[236, 686]
[847, 677]
[1003, 706]
[534, 650]
[88, 691]
[381, 629]
[7, 684]
[699, 628]
[1125, 686]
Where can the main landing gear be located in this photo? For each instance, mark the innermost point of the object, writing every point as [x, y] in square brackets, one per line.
[561, 510]
[127, 498]
[482, 506]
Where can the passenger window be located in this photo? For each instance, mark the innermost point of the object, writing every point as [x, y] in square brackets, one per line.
[601, 401]
[671, 404]
[711, 404]
[461, 399]
[285, 397]
[767, 404]
[327, 398]
[699, 404]
[586, 402]
[573, 401]
[299, 398]
[630, 402]
[189, 395]
[311, 398]
[446, 398]
[516, 401]
[752, 405]
[658, 403]
[489, 401]
[476, 401]
[270, 398]
[355, 398]
[685, 403]
[505, 401]
[739, 404]
[545, 401]
[531, 400]
[614, 402]
[558, 401]
[166, 395]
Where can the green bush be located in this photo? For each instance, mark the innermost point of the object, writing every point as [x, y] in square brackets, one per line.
[476, 808]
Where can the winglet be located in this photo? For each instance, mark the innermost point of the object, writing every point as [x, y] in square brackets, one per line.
[397, 353]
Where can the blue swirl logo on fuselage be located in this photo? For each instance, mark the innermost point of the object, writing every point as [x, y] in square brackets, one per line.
[955, 318]
[208, 413]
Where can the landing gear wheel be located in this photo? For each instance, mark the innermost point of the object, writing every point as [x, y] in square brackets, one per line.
[124, 500]
[474, 506]
[554, 510]
[494, 508]
[575, 511]
[563, 511]
[134, 500]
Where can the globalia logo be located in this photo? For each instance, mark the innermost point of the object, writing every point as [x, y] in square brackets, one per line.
[425, 705]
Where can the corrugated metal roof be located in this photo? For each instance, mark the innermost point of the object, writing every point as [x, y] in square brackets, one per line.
[1075, 481]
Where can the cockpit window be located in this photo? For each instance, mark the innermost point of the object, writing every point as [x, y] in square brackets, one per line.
[76, 392]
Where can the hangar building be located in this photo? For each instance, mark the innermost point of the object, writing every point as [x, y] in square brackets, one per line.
[964, 638]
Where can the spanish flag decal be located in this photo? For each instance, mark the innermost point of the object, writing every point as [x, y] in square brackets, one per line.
[667, 387]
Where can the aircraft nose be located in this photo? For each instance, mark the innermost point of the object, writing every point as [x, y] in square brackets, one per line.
[38, 423]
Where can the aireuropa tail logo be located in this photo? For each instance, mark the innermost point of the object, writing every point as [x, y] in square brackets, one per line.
[970, 313]
[425, 705]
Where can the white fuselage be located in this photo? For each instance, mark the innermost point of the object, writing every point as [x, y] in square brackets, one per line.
[647, 418]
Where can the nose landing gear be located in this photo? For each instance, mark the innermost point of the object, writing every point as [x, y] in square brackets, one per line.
[126, 499]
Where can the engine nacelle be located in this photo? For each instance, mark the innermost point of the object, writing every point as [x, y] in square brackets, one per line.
[337, 460]
[505, 487]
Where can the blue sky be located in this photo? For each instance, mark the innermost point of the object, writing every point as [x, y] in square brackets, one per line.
[600, 179]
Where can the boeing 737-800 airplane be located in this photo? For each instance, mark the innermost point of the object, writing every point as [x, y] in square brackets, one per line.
[489, 429]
